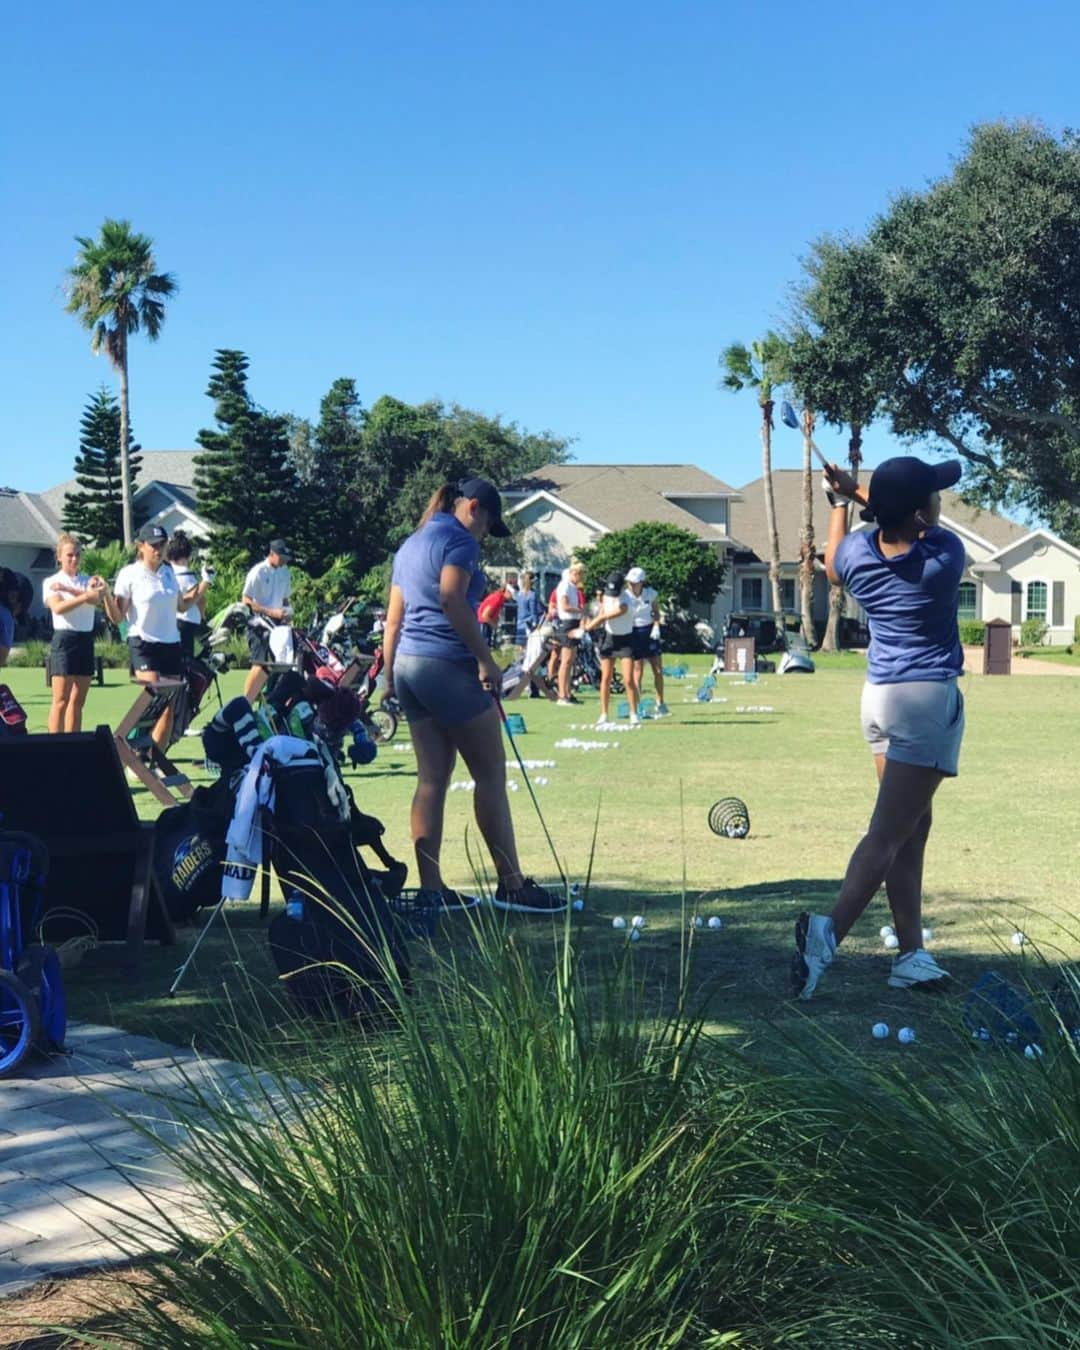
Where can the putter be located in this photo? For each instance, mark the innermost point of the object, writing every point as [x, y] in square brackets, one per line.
[532, 794]
[790, 418]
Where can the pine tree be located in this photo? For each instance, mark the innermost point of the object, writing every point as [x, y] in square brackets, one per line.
[244, 477]
[96, 514]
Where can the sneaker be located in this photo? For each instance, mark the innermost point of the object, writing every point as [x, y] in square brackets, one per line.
[635, 720]
[453, 902]
[815, 947]
[662, 710]
[528, 899]
[565, 702]
[916, 970]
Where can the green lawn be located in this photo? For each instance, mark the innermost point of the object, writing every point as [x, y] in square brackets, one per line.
[1002, 855]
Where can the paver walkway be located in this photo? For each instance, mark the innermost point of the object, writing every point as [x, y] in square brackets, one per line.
[77, 1180]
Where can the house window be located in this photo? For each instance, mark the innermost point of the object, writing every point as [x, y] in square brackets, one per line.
[1036, 597]
[968, 607]
[751, 593]
[787, 593]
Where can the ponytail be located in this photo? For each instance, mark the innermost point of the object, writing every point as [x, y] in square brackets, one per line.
[442, 499]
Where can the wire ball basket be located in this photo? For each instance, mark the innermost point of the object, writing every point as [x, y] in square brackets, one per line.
[729, 818]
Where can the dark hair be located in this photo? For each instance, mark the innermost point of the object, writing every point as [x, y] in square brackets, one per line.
[442, 499]
[180, 546]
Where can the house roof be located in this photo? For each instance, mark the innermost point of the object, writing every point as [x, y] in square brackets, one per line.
[23, 521]
[748, 517]
[617, 496]
[173, 469]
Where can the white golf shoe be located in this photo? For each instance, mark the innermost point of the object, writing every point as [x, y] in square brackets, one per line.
[916, 970]
[815, 947]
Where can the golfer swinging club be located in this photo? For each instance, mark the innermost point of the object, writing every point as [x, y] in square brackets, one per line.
[906, 575]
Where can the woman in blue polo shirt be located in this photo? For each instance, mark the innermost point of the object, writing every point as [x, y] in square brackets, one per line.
[443, 673]
[906, 576]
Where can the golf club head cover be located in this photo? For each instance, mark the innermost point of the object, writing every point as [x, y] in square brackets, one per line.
[231, 736]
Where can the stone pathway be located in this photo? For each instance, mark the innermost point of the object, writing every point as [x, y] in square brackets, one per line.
[80, 1186]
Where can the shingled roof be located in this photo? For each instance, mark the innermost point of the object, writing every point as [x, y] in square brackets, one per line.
[748, 517]
[23, 521]
[617, 496]
[173, 468]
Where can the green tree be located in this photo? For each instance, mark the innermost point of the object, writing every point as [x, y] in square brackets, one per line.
[335, 520]
[244, 477]
[116, 290]
[762, 367]
[969, 316]
[681, 569]
[96, 512]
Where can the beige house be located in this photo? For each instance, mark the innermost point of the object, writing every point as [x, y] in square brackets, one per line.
[1014, 572]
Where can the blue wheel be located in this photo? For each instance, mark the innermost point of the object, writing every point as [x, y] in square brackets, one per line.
[19, 1023]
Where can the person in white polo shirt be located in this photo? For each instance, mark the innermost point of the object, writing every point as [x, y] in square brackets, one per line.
[147, 594]
[267, 588]
[71, 597]
[645, 638]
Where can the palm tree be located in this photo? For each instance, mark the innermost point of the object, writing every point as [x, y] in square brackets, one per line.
[807, 562]
[116, 290]
[762, 367]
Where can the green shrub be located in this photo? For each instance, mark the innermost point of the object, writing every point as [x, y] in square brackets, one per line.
[114, 655]
[1076, 629]
[1033, 632]
[972, 632]
[30, 653]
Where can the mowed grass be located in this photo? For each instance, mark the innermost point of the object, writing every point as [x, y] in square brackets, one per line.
[1002, 856]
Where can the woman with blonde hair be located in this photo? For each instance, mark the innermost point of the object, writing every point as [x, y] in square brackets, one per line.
[569, 614]
[72, 598]
[443, 674]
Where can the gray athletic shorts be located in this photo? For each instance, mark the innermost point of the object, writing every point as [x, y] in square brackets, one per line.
[448, 691]
[920, 722]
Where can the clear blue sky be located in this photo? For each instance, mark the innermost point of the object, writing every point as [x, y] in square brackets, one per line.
[559, 212]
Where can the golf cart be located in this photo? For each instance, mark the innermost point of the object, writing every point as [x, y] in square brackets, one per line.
[771, 633]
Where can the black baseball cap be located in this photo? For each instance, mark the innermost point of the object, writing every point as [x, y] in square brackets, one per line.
[488, 496]
[899, 486]
[613, 583]
[280, 547]
[152, 534]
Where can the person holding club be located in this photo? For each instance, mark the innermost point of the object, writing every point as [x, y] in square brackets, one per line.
[443, 673]
[614, 616]
[905, 574]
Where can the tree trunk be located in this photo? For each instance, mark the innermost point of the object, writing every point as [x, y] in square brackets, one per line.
[770, 503]
[806, 533]
[836, 591]
[125, 468]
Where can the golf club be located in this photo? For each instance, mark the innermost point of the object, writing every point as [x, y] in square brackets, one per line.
[532, 794]
[790, 418]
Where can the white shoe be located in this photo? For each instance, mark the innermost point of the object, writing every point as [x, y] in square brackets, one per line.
[916, 970]
[635, 720]
[563, 703]
[815, 947]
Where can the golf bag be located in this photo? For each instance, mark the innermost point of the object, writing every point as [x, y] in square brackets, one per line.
[12, 714]
[189, 851]
[587, 669]
[33, 1009]
[337, 946]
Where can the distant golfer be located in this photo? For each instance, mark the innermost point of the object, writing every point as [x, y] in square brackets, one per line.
[72, 597]
[906, 575]
[645, 637]
[445, 677]
[267, 588]
[614, 617]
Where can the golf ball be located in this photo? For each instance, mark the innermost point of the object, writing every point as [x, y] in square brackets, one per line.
[699, 922]
[928, 935]
[1018, 939]
[880, 1031]
[888, 931]
[906, 1035]
[716, 922]
[1033, 1051]
[980, 1034]
[578, 904]
[635, 934]
[638, 921]
[892, 942]
[618, 921]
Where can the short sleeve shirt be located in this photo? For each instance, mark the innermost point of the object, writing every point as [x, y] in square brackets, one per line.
[911, 602]
[7, 626]
[641, 607]
[77, 620]
[569, 601]
[619, 625]
[151, 600]
[441, 542]
[185, 579]
[268, 586]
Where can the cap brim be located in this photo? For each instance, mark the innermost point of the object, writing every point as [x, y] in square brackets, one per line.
[947, 474]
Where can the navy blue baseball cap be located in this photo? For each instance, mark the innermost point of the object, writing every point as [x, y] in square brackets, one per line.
[899, 486]
[488, 496]
[152, 534]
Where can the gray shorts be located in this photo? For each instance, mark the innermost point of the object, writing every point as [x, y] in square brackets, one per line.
[920, 722]
[448, 691]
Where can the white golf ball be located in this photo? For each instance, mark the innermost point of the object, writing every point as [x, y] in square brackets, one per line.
[928, 935]
[888, 931]
[906, 1035]
[638, 921]
[980, 1034]
[880, 1031]
[716, 922]
[1018, 939]
[892, 942]
[635, 934]
[699, 922]
[1033, 1051]
[578, 904]
[618, 921]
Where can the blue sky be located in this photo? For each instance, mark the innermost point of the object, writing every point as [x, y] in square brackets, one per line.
[561, 213]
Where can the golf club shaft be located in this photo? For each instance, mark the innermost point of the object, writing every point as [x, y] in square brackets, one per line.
[532, 794]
